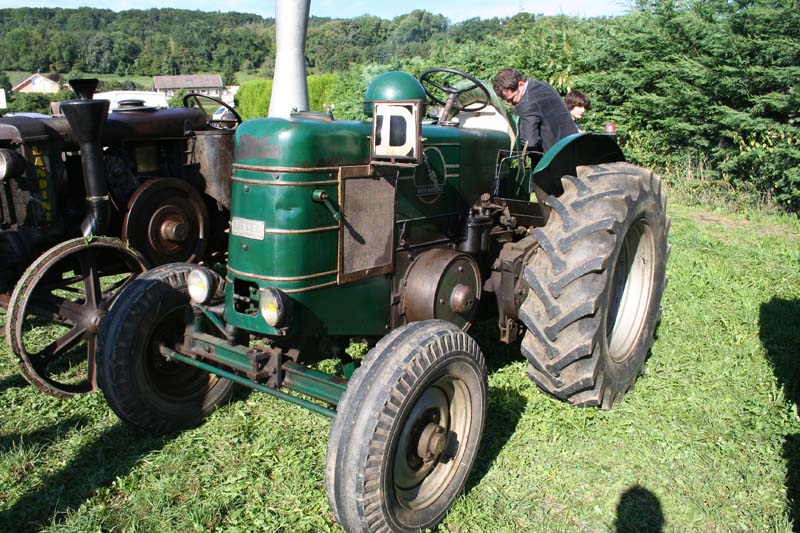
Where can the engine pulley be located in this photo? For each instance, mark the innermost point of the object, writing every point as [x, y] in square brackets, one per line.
[167, 222]
[443, 284]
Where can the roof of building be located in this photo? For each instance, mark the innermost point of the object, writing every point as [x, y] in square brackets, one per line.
[35, 79]
[194, 81]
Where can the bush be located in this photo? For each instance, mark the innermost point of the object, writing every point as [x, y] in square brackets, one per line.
[252, 99]
[320, 88]
[32, 103]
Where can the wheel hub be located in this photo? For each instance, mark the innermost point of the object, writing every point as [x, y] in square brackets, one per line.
[630, 292]
[423, 438]
[168, 231]
[432, 442]
[92, 321]
[175, 230]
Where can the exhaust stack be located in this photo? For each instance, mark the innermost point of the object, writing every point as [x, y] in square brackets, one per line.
[289, 87]
[86, 118]
[84, 88]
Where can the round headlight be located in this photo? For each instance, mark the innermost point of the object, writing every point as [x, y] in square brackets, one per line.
[12, 165]
[274, 305]
[201, 284]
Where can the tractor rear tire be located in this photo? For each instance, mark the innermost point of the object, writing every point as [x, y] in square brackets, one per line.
[407, 430]
[144, 389]
[596, 284]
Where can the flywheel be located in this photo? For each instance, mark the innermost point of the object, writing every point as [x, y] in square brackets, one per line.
[167, 222]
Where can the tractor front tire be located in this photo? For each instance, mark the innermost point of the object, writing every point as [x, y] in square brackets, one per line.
[407, 430]
[144, 389]
[596, 283]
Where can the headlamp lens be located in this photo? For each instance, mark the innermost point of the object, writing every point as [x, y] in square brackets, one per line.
[201, 285]
[272, 304]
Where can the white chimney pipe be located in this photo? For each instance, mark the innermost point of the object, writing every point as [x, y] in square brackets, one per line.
[289, 87]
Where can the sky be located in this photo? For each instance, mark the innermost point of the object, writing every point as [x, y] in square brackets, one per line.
[454, 10]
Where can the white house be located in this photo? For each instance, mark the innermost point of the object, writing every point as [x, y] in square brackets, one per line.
[208, 84]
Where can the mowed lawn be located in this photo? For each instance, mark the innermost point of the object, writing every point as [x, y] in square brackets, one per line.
[709, 440]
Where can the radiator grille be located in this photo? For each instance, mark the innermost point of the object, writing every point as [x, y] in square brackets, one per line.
[366, 229]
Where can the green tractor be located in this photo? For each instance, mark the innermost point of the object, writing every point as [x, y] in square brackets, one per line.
[402, 231]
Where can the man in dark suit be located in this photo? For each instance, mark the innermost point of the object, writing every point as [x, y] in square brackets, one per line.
[543, 117]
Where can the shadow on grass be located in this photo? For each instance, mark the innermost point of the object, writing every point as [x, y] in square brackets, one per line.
[496, 353]
[503, 413]
[112, 454]
[779, 330]
[42, 436]
[639, 510]
[505, 405]
[14, 381]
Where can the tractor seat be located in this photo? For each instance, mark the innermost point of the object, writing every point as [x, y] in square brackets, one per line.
[495, 116]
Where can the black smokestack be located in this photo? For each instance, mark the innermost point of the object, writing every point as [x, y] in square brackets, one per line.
[86, 119]
[84, 88]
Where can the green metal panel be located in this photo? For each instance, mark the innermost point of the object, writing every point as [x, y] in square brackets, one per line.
[302, 142]
[278, 165]
[360, 308]
[573, 151]
[462, 167]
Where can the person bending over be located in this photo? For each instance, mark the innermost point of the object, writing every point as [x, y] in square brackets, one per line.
[543, 117]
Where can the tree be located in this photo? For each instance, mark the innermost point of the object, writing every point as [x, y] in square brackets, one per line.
[63, 50]
[320, 89]
[229, 74]
[5, 82]
[176, 100]
[23, 49]
[713, 81]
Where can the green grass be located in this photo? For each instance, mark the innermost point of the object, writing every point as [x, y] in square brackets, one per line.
[16, 76]
[709, 440]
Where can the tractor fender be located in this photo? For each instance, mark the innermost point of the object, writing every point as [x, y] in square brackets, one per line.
[563, 158]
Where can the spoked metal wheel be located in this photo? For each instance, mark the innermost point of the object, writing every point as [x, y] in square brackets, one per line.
[56, 308]
[407, 430]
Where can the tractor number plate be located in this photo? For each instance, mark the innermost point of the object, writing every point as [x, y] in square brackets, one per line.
[244, 227]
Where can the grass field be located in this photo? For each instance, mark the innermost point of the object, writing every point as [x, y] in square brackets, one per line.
[709, 440]
[16, 76]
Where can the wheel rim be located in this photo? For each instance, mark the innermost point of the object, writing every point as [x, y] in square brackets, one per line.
[437, 427]
[56, 316]
[172, 384]
[631, 291]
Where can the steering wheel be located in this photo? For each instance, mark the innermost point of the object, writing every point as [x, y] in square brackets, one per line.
[446, 84]
[194, 100]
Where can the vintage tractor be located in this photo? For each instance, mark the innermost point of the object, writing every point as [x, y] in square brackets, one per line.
[88, 200]
[403, 232]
